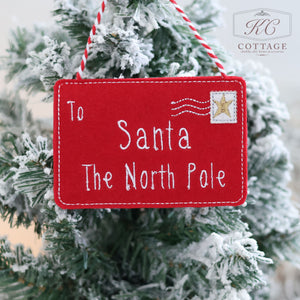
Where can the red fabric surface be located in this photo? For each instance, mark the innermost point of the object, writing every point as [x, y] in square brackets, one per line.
[92, 121]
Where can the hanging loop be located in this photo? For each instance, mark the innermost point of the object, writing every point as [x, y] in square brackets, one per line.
[209, 51]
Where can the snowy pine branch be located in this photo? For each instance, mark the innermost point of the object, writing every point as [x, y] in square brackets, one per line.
[188, 253]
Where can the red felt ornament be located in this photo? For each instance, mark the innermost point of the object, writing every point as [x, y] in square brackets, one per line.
[156, 142]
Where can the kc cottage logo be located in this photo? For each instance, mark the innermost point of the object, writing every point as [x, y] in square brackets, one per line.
[264, 29]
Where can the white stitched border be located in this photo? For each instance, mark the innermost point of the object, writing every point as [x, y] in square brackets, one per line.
[148, 203]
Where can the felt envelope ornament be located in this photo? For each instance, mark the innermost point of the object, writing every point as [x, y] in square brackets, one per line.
[155, 142]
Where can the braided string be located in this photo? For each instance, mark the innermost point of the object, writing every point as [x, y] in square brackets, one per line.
[209, 51]
[92, 33]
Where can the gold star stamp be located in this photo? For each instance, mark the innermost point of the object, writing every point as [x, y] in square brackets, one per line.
[223, 107]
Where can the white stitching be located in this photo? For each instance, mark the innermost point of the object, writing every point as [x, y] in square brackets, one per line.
[190, 112]
[190, 99]
[149, 203]
[193, 106]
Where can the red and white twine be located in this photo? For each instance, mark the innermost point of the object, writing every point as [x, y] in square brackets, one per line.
[92, 33]
[209, 51]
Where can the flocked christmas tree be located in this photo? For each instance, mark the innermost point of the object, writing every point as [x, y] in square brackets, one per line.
[207, 253]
